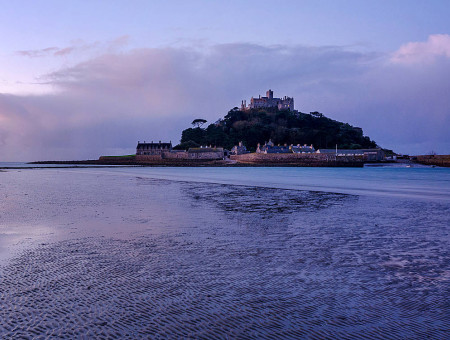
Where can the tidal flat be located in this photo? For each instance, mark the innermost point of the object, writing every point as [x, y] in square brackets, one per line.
[113, 253]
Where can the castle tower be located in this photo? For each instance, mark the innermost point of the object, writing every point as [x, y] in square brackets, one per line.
[269, 94]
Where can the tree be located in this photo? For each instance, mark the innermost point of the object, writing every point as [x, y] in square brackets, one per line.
[255, 126]
[186, 145]
[198, 122]
[196, 135]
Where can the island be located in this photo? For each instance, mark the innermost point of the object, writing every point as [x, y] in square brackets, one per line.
[266, 132]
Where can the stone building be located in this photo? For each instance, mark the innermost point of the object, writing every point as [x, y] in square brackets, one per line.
[153, 148]
[366, 154]
[286, 103]
[269, 147]
[239, 149]
[302, 148]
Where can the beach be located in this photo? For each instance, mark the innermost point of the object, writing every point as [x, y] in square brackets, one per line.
[225, 253]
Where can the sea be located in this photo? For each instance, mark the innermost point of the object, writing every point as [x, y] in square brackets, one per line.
[232, 253]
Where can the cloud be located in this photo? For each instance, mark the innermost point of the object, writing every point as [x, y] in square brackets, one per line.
[119, 42]
[106, 104]
[78, 46]
[50, 51]
[38, 53]
[437, 46]
[64, 51]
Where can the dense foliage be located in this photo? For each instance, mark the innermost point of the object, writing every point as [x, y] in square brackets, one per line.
[291, 127]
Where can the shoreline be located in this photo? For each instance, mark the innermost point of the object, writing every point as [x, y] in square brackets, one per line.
[97, 165]
[204, 163]
[121, 162]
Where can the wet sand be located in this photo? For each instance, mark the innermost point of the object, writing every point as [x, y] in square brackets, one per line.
[130, 257]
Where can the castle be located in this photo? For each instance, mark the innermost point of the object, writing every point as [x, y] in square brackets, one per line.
[286, 103]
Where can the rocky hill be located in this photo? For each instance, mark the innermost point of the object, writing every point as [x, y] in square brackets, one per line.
[255, 126]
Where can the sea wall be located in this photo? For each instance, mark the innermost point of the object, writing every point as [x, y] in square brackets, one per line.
[175, 155]
[206, 155]
[439, 160]
[147, 158]
[173, 159]
[180, 156]
[299, 159]
[250, 159]
[117, 159]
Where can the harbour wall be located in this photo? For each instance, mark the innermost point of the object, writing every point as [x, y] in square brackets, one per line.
[438, 160]
[311, 160]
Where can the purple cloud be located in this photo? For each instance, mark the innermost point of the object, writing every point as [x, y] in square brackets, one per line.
[64, 51]
[38, 53]
[437, 45]
[78, 46]
[104, 105]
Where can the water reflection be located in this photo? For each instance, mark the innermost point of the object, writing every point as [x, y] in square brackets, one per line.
[264, 202]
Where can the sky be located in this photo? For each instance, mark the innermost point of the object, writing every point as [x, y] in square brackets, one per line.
[81, 79]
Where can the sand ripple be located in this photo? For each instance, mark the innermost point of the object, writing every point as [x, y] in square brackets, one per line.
[190, 260]
[178, 287]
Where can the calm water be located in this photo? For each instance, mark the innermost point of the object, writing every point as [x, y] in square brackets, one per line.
[225, 252]
[419, 182]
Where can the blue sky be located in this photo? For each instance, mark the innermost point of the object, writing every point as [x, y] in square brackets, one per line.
[381, 24]
[79, 79]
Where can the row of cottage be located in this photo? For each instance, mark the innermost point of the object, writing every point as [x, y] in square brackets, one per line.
[165, 150]
[270, 148]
